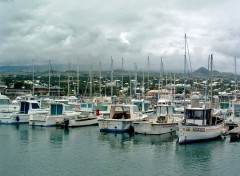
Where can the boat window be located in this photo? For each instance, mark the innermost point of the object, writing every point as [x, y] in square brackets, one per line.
[83, 105]
[146, 106]
[4, 101]
[163, 110]
[193, 114]
[89, 105]
[236, 110]
[135, 109]
[68, 108]
[139, 105]
[35, 106]
[118, 109]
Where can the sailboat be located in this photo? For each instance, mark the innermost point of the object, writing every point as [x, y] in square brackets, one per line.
[199, 123]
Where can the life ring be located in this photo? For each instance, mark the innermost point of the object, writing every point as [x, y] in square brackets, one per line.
[17, 118]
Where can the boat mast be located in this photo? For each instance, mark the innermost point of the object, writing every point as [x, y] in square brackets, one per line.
[130, 86]
[122, 73]
[59, 84]
[235, 65]
[211, 62]
[111, 76]
[135, 81]
[159, 81]
[33, 78]
[148, 73]
[100, 79]
[143, 88]
[184, 86]
[174, 89]
[90, 81]
[68, 78]
[49, 78]
[78, 70]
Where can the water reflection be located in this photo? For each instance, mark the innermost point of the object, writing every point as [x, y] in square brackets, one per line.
[116, 140]
[155, 139]
[201, 153]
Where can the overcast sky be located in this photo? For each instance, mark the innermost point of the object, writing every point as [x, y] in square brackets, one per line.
[90, 31]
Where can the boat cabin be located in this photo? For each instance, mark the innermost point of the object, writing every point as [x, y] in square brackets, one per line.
[125, 112]
[59, 108]
[27, 106]
[201, 116]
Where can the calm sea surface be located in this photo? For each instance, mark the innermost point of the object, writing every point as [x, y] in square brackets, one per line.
[36, 151]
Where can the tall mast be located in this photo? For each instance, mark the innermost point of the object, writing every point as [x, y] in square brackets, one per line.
[49, 78]
[174, 89]
[235, 65]
[185, 63]
[111, 76]
[122, 73]
[90, 81]
[159, 81]
[130, 85]
[135, 81]
[68, 78]
[59, 89]
[143, 88]
[100, 79]
[148, 74]
[211, 79]
[78, 70]
[33, 78]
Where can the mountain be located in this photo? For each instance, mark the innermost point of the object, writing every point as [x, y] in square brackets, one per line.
[205, 72]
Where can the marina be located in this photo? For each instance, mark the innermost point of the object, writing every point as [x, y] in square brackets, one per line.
[86, 151]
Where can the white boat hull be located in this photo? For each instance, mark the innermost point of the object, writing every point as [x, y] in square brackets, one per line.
[191, 133]
[154, 128]
[83, 122]
[46, 120]
[13, 118]
[114, 125]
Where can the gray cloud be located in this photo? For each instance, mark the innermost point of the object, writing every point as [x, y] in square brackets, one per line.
[93, 31]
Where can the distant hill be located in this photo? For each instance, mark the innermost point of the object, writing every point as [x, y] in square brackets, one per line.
[205, 72]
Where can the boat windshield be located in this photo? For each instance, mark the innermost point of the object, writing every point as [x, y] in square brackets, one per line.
[35, 106]
[135, 109]
[4, 101]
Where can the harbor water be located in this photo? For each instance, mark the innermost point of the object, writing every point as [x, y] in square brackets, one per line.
[36, 151]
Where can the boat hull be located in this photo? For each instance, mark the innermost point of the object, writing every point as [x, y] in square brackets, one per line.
[114, 125]
[191, 133]
[46, 121]
[154, 128]
[13, 118]
[83, 122]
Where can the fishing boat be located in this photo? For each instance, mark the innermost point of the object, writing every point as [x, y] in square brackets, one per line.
[59, 114]
[164, 121]
[199, 124]
[22, 116]
[121, 118]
